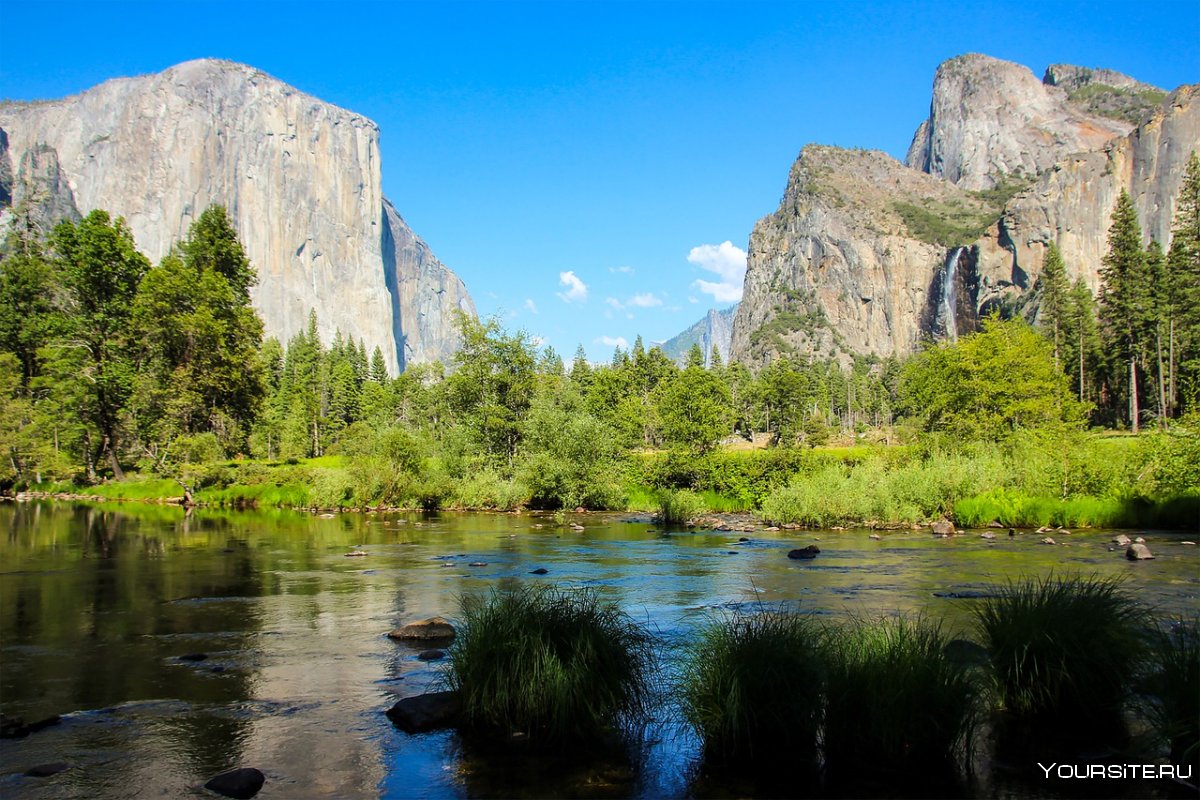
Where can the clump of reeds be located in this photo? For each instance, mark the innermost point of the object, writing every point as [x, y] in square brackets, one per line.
[551, 664]
[897, 706]
[1063, 649]
[678, 506]
[752, 687]
[1173, 686]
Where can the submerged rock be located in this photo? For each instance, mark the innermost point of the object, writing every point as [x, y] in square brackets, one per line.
[1048, 540]
[427, 629]
[242, 783]
[804, 552]
[46, 770]
[539, 571]
[426, 712]
[1138, 552]
[431, 655]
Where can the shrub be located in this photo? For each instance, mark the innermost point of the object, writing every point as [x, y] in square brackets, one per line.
[551, 663]
[679, 506]
[488, 489]
[1062, 649]
[897, 706]
[751, 686]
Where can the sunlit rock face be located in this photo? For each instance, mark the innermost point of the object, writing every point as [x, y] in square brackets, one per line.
[868, 255]
[300, 178]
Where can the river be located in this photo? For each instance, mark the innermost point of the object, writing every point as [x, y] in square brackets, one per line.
[99, 604]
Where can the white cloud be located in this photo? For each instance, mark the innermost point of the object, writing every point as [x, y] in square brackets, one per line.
[692, 300]
[530, 306]
[721, 292]
[576, 289]
[626, 270]
[614, 302]
[538, 341]
[613, 341]
[728, 262]
[644, 300]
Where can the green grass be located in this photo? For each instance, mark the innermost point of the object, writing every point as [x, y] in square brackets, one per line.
[1174, 689]
[898, 707]
[135, 488]
[556, 665]
[1063, 649]
[751, 687]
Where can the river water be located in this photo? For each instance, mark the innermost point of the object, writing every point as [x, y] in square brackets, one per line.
[98, 604]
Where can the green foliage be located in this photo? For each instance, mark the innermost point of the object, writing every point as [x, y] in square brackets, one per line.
[950, 224]
[1062, 649]
[679, 506]
[693, 409]
[752, 686]
[557, 665]
[897, 707]
[988, 385]
[1053, 298]
[1173, 686]
[1128, 105]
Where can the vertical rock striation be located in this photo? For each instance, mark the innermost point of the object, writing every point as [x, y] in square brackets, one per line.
[300, 178]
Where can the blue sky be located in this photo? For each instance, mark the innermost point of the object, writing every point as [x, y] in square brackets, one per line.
[582, 165]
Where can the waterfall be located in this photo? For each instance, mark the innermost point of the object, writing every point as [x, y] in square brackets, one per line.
[950, 295]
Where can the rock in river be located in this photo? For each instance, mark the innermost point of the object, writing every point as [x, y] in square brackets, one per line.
[943, 527]
[425, 630]
[1122, 540]
[426, 712]
[240, 783]
[1138, 552]
[805, 552]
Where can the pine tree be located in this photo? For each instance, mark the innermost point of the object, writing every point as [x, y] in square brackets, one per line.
[1054, 289]
[1081, 339]
[1183, 289]
[1125, 297]
[378, 373]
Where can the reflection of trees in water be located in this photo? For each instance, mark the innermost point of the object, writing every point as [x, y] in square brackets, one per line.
[108, 608]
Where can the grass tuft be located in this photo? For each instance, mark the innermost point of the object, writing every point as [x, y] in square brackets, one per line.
[1063, 649]
[1174, 688]
[554, 664]
[678, 506]
[898, 706]
[751, 686]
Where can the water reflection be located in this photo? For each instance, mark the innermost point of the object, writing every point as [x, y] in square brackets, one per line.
[98, 604]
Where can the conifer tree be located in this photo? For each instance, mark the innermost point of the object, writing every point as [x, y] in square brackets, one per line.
[1183, 289]
[1125, 298]
[1054, 289]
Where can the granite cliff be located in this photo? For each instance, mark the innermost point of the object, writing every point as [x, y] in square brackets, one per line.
[299, 177]
[868, 255]
[714, 330]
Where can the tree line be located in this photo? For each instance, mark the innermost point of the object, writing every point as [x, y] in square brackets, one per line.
[108, 362]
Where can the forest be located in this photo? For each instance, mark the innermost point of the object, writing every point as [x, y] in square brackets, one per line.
[123, 379]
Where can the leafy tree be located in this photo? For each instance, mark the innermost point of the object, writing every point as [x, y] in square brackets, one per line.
[492, 385]
[694, 410]
[100, 270]
[989, 384]
[26, 310]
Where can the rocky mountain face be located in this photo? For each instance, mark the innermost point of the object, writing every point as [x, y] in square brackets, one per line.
[868, 255]
[714, 330]
[299, 177]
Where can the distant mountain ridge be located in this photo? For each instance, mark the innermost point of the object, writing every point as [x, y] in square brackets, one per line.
[715, 328]
[300, 178]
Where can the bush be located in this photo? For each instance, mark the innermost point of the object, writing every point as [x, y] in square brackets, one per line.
[897, 705]
[553, 664]
[200, 448]
[488, 489]
[678, 507]
[1063, 649]
[752, 687]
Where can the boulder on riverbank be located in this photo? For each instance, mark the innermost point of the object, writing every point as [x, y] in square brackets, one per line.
[434, 628]
[426, 712]
[943, 527]
[242, 783]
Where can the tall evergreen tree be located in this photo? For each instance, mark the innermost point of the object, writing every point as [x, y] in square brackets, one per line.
[1183, 288]
[1081, 340]
[1125, 299]
[1054, 289]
